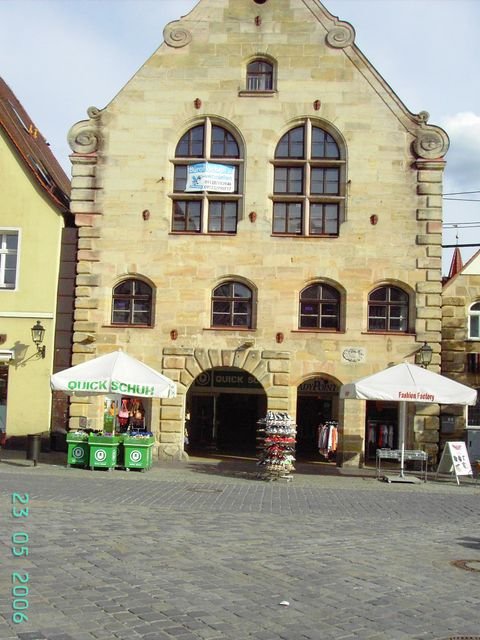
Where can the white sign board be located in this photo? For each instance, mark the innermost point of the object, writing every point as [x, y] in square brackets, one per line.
[209, 176]
[455, 460]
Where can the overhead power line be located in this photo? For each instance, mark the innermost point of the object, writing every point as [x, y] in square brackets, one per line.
[452, 246]
[460, 193]
[462, 225]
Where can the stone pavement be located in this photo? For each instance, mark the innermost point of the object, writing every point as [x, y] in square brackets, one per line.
[206, 551]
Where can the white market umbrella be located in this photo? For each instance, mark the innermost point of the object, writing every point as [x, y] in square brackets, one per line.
[408, 383]
[114, 373]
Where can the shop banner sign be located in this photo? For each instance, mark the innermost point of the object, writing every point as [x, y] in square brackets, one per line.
[318, 385]
[227, 378]
[111, 386]
[113, 373]
[210, 176]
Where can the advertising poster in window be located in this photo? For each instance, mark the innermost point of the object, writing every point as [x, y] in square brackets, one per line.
[210, 176]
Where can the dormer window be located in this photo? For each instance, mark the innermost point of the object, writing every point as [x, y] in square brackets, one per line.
[260, 76]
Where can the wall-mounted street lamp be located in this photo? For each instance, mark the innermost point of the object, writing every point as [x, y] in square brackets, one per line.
[38, 333]
[424, 355]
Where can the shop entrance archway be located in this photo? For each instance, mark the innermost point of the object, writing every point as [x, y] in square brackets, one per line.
[223, 406]
[317, 403]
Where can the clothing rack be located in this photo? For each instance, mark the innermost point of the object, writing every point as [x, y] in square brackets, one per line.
[328, 439]
[381, 434]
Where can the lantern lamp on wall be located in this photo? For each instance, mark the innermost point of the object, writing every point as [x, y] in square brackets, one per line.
[38, 333]
[424, 355]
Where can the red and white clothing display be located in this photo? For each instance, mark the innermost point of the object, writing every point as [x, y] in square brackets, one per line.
[328, 438]
[381, 435]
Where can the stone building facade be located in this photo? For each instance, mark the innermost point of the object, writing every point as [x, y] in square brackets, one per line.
[318, 265]
[461, 345]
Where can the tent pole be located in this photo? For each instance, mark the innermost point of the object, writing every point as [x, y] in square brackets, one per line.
[402, 419]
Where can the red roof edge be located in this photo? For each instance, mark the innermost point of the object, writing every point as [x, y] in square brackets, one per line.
[34, 151]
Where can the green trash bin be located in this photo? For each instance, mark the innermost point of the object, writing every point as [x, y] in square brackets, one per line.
[103, 451]
[78, 449]
[137, 452]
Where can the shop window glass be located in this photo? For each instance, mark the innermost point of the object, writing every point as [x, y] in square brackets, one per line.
[388, 310]
[308, 164]
[474, 321]
[474, 413]
[232, 305]
[320, 308]
[206, 211]
[8, 259]
[473, 363]
[187, 215]
[287, 217]
[259, 76]
[132, 303]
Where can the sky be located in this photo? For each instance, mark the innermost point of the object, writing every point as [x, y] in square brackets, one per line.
[60, 57]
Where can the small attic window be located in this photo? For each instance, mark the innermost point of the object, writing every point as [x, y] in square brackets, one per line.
[259, 75]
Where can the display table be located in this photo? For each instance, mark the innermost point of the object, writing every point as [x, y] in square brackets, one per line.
[78, 449]
[408, 454]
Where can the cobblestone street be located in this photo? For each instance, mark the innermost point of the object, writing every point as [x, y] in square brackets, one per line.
[205, 551]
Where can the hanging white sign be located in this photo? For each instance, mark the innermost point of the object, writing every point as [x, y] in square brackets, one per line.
[209, 176]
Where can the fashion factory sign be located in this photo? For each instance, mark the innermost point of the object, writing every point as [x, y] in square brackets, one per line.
[416, 396]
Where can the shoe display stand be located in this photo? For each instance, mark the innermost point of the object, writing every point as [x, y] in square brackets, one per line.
[276, 438]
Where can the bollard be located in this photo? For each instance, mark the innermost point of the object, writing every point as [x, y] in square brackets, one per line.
[33, 447]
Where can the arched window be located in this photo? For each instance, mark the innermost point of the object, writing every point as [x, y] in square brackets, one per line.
[309, 183]
[319, 308]
[388, 309]
[214, 209]
[232, 305]
[132, 303]
[474, 321]
[259, 76]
